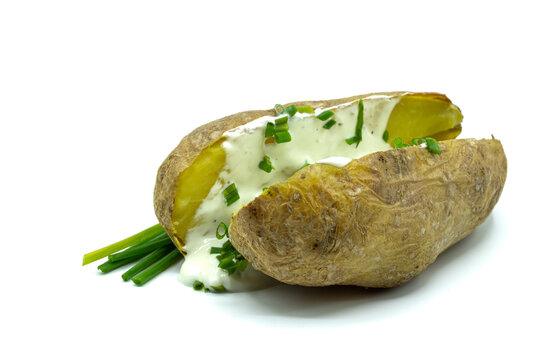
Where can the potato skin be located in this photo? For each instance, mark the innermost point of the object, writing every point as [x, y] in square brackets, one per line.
[377, 222]
[204, 136]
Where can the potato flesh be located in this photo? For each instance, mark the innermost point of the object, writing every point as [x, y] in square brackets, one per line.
[193, 186]
[415, 115]
[418, 115]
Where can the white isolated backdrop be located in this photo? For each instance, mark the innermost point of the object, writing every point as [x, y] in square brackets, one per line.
[95, 94]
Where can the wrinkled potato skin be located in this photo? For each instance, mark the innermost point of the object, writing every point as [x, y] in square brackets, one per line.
[377, 222]
[204, 136]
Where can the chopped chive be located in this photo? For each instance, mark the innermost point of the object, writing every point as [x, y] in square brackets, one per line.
[398, 144]
[215, 250]
[231, 194]
[142, 249]
[163, 264]
[148, 260]
[279, 109]
[266, 164]
[270, 130]
[359, 122]
[225, 230]
[109, 265]
[197, 285]
[305, 109]
[230, 260]
[282, 136]
[329, 124]
[219, 288]
[303, 166]
[325, 115]
[385, 136]
[121, 245]
[418, 141]
[432, 146]
[264, 189]
[291, 110]
[282, 124]
[351, 140]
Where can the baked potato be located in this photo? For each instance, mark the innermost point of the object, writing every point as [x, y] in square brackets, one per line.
[304, 213]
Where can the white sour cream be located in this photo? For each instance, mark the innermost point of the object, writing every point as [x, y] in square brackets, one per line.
[245, 147]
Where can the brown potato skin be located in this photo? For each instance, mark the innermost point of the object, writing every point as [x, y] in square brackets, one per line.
[204, 136]
[377, 222]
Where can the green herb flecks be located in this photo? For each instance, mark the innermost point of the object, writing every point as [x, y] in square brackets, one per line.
[282, 137]
[291, 110]
[305, 109]
[329, 124]
[432, 146]
[385, 136]
[231, 194]
[325, 115]
[266, 164]
[357, 138]
[279, 109]
[230, 260]
[222, 230]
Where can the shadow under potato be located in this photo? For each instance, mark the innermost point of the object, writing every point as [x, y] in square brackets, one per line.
[451, 267]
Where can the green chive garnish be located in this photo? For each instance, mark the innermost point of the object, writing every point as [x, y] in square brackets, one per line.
[198, 285]
[282, 124]
[148, 260]
[222, 226]
[230, 260]
[305, 109]
[231, 194]
[432, 146]
[359, 122]
[282, 136]
[266, 164]
[270, 130]
[291, 110]
[351, 140]
[219, 288]
[385, 136]
[170, 259]
[329, 124]
[325, 115]
[264, 189]
[399, 144]
[418, 141]
[279, 109]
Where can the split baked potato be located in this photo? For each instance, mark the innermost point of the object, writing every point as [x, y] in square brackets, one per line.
[375, 221]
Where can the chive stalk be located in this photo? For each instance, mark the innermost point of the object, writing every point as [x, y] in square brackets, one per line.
[325, 115]
[231, 194]
[148, 260]
[157, 268]
[142, 249]
[109, 265]
[329, 124]
[149, 233]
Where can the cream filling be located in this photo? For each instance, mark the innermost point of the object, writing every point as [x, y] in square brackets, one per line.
[245, 147]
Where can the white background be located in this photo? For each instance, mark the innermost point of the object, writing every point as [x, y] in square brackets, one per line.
[95, 94]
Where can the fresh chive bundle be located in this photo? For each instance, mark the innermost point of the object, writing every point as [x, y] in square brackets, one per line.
[266, 164]
[153, 248]
[231, 194]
